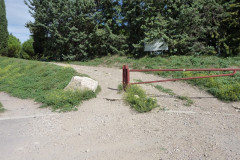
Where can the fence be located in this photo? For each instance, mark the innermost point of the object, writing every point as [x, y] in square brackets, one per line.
[126, 74]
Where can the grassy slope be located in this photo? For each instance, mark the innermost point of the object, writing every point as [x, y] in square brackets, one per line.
[40, 81]
[224, 88]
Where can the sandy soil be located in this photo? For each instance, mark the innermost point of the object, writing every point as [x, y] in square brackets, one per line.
[106, 128]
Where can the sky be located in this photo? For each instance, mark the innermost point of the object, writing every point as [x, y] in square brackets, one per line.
[18, 16]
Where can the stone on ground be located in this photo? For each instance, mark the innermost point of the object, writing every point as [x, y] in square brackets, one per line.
[81, 83]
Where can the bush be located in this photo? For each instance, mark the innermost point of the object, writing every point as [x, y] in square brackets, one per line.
[14, 46]
[27, 51]
[137, 99]
[67, 100]
[1, 108]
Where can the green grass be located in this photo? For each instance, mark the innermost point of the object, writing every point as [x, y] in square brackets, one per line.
[170, 92]
[1, 108]
[224, 88]
[120, 88]
[164, 90]
[42, 82]
[188, 101]
[137, 99]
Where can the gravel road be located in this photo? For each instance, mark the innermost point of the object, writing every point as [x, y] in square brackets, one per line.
[106, 128]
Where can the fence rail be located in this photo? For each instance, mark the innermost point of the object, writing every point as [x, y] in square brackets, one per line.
[126, 74]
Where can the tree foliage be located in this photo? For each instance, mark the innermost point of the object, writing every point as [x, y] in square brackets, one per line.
[81, 29]
[3, 29]
[230, 29]
[14, 46]
[27, 51]
[142, 23]
[75, 29]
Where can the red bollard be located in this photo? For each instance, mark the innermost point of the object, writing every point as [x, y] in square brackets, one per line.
[126, 77]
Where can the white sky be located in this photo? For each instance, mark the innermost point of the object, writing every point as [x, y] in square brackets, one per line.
[18, 16]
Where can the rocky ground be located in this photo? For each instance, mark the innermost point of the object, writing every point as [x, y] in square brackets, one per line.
[106, 128]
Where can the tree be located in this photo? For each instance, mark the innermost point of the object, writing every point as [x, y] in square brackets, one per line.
[27, 51]
[3, 29]
[80, 29]
[14, 46]
[77, 33]
[230, 29]
[142, 22]
[193, 26]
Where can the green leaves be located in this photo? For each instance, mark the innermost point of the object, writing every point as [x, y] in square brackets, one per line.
[230, 29]
[3, 29]
[74, 29]
[14, 46]
[27, 51]
[85, 29]
[137, 99]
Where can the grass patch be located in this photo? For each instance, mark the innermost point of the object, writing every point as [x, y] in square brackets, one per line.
[170, 92]
[1, 108]
[164, 90]
[42, 82]
[188, 101]
[224, 88]
[120, 88]
[137, 99]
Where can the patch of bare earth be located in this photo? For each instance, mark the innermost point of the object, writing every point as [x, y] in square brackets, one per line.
[106, 128]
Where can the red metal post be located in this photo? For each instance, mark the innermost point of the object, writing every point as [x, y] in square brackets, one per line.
[126, 77]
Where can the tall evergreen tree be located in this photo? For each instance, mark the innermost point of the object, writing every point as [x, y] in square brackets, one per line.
[79, 32]
[3, 29]
[193, 26]
[80, 29]
[143, 23]
[230, 29]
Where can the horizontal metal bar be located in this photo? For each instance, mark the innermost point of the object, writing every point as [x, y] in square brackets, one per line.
[164, 70]
[189, 78]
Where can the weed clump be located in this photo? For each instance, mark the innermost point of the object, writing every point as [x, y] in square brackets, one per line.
[137, 99]
[1, 108]
[120, 89]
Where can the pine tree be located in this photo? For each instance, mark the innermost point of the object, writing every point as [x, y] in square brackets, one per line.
[143, 23]
[77, 33]
[80, 29]
[3, 29]
[193, 26]
[230, 29]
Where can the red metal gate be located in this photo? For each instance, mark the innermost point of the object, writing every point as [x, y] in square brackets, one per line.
[126, 74]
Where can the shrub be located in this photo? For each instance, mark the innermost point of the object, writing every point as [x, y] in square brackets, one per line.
[27, 51]
[14, 46]
[138, 99]
[1, 108]
[67, 100]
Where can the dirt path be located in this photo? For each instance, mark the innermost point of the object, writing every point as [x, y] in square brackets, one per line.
[105, 128]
